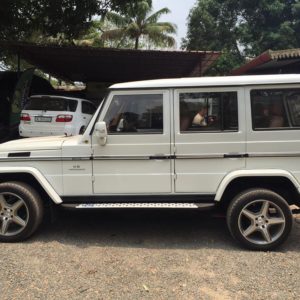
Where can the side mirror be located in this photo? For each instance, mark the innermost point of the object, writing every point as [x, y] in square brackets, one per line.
[101, 132]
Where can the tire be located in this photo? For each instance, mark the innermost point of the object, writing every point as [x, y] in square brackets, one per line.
[21, 211]
[259, 219]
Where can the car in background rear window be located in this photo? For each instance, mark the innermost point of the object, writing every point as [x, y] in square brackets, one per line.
[55, 115]
[51, 104]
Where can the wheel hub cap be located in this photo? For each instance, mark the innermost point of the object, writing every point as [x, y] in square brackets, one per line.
[14, 214]
[261, 222]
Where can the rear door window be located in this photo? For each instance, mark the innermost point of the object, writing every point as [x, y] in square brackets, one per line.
[275, 109]
[51, 104]
[208, 111]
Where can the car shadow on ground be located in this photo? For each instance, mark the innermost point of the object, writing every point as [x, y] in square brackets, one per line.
[156, 229]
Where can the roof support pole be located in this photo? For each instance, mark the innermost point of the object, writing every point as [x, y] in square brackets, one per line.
[19, 64]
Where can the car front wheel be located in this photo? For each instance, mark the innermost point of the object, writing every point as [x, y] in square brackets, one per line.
[259, 219]
[21, 211]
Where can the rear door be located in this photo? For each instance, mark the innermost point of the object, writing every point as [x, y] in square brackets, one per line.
[209, 137]
[273, 138]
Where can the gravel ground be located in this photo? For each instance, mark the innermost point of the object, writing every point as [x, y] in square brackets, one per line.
[145, 254]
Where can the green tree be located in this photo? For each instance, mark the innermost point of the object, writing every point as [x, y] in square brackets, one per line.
[269, 24]
[212, 26]
[242, 28]
[138, 21]
[44, 21]
[92, 38]
[55, 18]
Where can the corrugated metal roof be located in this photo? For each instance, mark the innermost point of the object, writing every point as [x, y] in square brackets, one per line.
[271, 61]
[284, 54]
[89, 64]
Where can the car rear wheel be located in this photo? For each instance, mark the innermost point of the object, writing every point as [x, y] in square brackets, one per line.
[259, 219]
[21, 211]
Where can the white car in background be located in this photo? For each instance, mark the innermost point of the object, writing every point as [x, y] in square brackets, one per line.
[55, 115]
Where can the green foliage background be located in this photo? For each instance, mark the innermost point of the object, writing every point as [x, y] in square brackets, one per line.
[242, 29]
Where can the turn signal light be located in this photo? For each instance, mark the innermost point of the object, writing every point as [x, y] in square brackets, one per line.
[25, 117]
[64, 118]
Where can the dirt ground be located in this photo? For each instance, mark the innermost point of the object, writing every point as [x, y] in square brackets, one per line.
[145, 254]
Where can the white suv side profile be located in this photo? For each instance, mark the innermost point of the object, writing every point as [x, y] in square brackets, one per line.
[226, 143]
[46, 115]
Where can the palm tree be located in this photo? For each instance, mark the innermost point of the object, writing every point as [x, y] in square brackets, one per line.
[138, 21]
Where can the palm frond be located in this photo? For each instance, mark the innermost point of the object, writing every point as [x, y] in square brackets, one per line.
[155, 16]
[117, 19]
[132, 30]
[139, 22]
[113, 34]
[142, 10]
[166, 27]
[159, 37]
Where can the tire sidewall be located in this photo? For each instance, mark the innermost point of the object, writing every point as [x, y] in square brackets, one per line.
[241, 201]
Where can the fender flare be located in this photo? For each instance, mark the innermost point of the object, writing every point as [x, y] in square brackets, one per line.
[254, 173]
[38, 176]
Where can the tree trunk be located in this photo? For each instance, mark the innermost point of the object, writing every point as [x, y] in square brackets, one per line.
[136, 43]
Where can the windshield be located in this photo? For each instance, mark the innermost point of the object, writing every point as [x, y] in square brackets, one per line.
[52, 104]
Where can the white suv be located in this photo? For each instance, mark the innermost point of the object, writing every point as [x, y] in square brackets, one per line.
[55, 115]
[226, 143]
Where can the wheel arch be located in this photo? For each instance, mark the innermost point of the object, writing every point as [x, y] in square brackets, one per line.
[32, 177]
[280, 181]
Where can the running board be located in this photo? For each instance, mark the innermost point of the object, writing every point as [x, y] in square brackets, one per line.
[139, 205]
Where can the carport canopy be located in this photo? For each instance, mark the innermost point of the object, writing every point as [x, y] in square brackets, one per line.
[107, 65]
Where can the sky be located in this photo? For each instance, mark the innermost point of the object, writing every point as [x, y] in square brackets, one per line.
[179, 12]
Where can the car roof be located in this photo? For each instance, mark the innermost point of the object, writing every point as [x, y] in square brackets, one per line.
[210, 81]
[60, 97]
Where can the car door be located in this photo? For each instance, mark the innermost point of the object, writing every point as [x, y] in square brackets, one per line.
[209, 137]
[273, 137]
[136, 157]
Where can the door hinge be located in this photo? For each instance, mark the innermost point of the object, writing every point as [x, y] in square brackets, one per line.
[93, 178]
[175, 176]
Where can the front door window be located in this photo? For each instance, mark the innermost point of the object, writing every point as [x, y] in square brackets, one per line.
[139, 114]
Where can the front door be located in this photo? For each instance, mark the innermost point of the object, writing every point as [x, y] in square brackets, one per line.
[136, 157]
[209, 137]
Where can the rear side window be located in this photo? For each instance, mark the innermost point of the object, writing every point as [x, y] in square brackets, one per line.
[215, 111]
[51, 104]
[135, 114]
[275, 109]
[88, 108]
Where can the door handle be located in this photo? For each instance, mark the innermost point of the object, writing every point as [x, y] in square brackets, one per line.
[160, 157]
[235, 155]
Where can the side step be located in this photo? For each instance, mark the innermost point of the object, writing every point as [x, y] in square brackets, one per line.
[139, 205]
